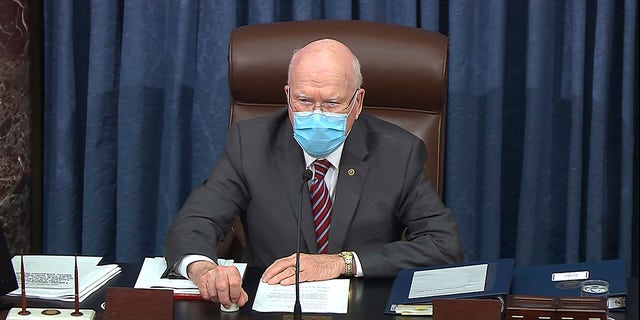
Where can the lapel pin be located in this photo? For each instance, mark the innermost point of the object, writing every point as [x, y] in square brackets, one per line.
[351, 172]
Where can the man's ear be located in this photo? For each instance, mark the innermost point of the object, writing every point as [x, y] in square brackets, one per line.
[360, 101]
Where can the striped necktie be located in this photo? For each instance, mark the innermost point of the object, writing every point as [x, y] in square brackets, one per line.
[321, 204]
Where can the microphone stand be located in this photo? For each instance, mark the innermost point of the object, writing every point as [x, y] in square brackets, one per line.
[297, 308]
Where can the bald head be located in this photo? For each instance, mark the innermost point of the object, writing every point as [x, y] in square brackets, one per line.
[325, 74]
[326, 59]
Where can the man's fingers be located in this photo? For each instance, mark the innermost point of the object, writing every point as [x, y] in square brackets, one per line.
[222, 289]
[278, 270]
[244, 298]
[291, 279]
[204, 287]
[224, 285]
[234, 282]
[284, 274]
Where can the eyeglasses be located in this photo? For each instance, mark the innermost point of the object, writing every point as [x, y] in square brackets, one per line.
[305, 104]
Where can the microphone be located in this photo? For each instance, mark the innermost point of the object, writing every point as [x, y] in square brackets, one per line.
[297, 308]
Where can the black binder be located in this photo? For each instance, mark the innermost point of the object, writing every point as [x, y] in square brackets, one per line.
[547, 280]
[497, 284]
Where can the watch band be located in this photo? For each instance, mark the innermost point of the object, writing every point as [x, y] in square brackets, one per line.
[348, 262]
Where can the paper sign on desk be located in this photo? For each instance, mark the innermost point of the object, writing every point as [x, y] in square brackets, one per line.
[328, 296]
[413, 290]
[150, 277]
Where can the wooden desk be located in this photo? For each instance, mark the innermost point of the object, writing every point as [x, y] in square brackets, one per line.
[367, 300]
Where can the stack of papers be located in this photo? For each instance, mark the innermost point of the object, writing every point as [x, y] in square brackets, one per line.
[52, 277]
[150, 277]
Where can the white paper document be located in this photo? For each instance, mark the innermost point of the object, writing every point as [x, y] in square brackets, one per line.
[52, 277]
[150, 276]
[329, 296]
[457, 280]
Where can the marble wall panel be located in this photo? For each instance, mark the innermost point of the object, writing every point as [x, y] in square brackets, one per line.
[15, 131]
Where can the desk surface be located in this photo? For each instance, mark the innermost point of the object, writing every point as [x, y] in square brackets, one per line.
[367, 301]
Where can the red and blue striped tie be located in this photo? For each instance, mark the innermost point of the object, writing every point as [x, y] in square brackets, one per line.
[321, 204]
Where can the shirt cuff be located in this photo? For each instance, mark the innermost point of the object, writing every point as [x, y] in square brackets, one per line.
[356, 260]
[186, 260]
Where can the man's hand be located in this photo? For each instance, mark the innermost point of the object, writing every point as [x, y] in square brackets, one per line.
[221, 284]
[313, 267]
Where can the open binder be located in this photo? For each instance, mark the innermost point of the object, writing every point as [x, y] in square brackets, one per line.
[414, 290]
[52, 277]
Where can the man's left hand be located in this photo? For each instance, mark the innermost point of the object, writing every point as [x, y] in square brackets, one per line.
[313, 267]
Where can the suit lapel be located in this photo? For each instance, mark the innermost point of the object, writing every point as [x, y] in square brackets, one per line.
[351, 179]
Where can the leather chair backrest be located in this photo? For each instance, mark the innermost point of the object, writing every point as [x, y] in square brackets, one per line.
[404, 71]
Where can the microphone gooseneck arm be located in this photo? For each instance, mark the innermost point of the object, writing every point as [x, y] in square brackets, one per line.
[297, 308]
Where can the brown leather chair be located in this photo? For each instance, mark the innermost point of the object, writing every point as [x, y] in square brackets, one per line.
[404, 71]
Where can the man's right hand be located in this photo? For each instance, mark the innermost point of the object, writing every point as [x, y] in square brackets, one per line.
[222, 284]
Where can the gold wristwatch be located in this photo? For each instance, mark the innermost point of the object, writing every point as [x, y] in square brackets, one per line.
[348, 262]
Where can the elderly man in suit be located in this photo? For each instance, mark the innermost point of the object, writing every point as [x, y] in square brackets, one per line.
[366, 186]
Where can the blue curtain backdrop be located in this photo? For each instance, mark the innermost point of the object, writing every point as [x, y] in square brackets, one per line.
[542, 141]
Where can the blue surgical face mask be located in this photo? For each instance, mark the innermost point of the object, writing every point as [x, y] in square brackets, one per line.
[319, 133]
